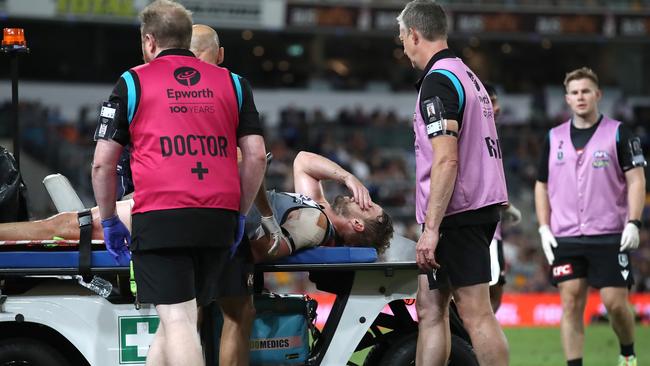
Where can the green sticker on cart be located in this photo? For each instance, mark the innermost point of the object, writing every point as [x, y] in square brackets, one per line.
[136, 334]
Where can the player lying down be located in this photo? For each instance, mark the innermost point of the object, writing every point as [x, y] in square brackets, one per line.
[279, 224]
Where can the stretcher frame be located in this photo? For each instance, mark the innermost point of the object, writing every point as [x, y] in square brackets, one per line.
[362, 291]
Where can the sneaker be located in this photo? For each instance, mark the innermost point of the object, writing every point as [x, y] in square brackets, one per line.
[626, 361]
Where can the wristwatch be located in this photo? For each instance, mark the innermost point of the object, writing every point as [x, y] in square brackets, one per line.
[637, 223]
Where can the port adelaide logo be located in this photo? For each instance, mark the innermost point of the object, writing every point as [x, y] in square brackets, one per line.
[187, 76]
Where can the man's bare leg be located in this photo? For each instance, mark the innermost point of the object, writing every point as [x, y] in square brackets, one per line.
[573, 294]
[488, 340]
[434, 336]
[63, 225]
[123, 211]
[238, 314]
[155, 355]
[620, 313]
[179, 343]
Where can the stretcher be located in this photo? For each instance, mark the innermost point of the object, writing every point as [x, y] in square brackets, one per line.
[33, 257]
[363, 282]
[48, 319]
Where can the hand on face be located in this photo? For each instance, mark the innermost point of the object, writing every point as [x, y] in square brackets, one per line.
[360, 193]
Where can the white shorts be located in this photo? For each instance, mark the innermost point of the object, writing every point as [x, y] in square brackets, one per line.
[495, 268]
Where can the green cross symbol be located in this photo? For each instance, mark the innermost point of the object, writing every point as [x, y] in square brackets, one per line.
[136, 334]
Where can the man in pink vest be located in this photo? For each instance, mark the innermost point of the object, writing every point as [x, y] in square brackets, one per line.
[459, 189]
[184, 119]
[589, 196]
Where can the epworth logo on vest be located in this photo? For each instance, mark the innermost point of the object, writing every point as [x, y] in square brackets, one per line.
[187, 76]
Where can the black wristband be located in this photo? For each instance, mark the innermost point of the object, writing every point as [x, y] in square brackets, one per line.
[637, 223]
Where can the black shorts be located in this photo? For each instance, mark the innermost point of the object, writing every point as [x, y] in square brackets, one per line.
[183, 228]
[464, 256]
[172, 276]
[237, 279]
[602, 264]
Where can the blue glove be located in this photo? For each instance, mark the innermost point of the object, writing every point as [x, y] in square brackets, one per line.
[117, 238]
[241, 226]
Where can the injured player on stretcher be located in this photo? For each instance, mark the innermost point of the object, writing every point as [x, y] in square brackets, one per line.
[306, 219]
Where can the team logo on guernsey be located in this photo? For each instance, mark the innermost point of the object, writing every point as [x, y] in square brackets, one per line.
[187, 76]
[301, 199]
[601, 159]
[622, 260]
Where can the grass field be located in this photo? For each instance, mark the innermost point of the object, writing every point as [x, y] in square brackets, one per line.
[541, 347]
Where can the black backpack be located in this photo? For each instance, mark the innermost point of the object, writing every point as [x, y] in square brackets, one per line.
[13, 192]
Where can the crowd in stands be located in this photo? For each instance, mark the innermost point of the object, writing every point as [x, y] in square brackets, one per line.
[620, 4]
[375, 145]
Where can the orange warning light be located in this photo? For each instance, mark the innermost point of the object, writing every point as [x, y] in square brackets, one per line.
[13, 37]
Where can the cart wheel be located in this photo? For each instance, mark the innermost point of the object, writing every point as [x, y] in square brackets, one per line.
[378, 351]
[29, 352]
[462, 354]
[402, 353]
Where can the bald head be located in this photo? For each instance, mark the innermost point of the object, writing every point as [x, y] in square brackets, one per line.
[205, 44]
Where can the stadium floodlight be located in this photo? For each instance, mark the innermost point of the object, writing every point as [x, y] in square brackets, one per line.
[14, 44]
